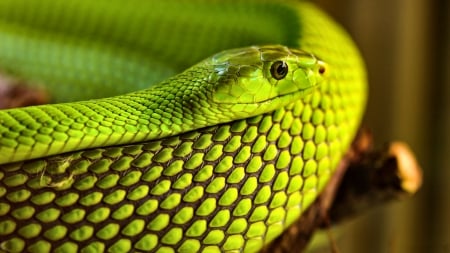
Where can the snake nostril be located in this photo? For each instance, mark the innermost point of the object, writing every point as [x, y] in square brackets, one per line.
[322, 68]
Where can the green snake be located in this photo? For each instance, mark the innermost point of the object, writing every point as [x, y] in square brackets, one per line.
[181, 126]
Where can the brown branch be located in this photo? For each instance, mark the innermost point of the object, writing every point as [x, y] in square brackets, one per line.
[14, 93]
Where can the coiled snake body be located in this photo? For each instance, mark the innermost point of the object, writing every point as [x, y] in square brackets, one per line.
[219, 158]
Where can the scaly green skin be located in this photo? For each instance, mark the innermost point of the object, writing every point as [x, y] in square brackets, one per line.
[231, 187]
[232, 85]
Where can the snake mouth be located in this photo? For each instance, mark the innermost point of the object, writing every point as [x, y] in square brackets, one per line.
[289, 97]
[245, 110]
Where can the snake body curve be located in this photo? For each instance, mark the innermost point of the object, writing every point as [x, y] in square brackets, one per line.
[228, 182]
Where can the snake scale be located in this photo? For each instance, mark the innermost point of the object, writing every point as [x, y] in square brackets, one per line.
[242, 112]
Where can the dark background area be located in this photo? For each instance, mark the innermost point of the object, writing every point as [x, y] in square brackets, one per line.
[406, 47]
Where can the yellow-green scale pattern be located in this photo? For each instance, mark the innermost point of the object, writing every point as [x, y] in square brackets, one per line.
[223, 188]
[227, 188]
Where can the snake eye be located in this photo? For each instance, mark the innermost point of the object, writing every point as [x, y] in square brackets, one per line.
[279, 70]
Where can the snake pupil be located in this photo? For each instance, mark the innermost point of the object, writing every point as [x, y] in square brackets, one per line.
[279, 70]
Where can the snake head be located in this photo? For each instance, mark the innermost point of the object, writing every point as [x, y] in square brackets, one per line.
[259, 79]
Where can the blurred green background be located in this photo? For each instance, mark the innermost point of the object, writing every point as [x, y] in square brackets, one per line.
[407, 50]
